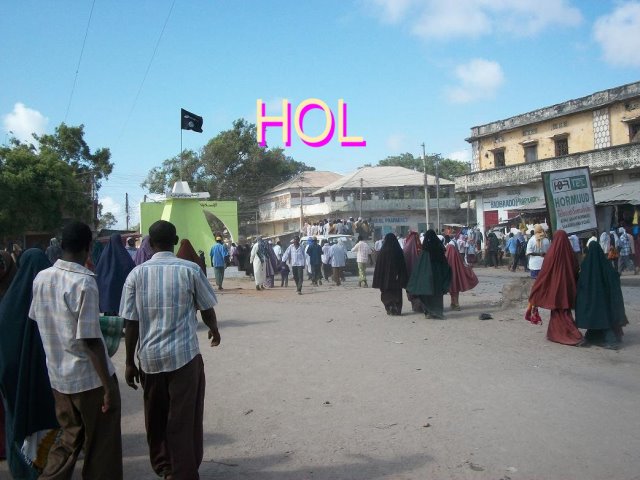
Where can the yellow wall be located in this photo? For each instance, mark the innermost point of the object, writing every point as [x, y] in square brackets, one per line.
[579, 127]
[618, 112]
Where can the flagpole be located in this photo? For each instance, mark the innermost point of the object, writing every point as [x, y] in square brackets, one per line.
[181, 153]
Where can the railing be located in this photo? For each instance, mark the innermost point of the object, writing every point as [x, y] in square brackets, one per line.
[621, 157]
[352, 207]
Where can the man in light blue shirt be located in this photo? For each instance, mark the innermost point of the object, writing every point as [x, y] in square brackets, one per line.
[338, 258]
[296, 257]
[159, 302]
[219, 255]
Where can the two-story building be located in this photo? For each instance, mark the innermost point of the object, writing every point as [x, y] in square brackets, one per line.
[601, 131]
[282, 208]
[392, 198]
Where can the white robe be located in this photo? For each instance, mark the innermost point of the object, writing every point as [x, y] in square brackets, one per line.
[258, 267]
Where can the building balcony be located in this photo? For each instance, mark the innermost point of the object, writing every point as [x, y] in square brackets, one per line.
[621, 157]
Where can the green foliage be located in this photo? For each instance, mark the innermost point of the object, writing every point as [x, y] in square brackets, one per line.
[231, 166]
[42, 184]
[447, 168]
[106, 221]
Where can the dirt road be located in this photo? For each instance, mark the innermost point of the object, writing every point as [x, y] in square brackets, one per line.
[327, 386]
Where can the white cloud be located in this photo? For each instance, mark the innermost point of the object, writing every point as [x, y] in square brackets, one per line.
[110, 205]
[395, 142]
[391, 11]
[477, 79]
[23, 122]
[460, 156]
[619, 35]
[444, 20]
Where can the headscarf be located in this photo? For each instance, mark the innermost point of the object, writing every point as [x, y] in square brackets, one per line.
[8, 270]
[54, 252]
[145, 252]
[599, 302]
[434, 247]
[96, 252]
[432, 274]
[187, 252]
[412, 249]
[263, 249]
[111, 271]
[555, 287]
[538, 232]
[462, 277]
[24, 380]
[391, 269]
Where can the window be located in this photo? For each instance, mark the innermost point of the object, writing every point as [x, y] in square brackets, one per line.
[603, 181]
[562, 146]
[634, 132]
[498, 158]
[531, 153]
[333, 196]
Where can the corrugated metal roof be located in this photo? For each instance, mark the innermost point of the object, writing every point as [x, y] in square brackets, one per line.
[618, 194]
[381, 177]
[311, 179]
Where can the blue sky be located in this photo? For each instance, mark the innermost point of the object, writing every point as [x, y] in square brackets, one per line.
[411, 71]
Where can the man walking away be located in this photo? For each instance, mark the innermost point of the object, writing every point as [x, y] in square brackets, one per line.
[296, 257]
[314, 251]
[219, 257]
[338, 258]
[85, 388]
[362, 251]
[159, 303]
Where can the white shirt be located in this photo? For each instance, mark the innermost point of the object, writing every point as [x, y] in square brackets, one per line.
[378, 245]
[295, 256]
[277, 249]
[535, 262]
[338, 255]
[575, 243]
[65, 307]
[362, 252]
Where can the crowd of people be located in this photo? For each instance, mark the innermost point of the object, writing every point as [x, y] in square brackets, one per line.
[58, 309]
[338, 226]
[60, 392]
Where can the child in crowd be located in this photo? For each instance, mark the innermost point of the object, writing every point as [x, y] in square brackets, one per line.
[284, 273]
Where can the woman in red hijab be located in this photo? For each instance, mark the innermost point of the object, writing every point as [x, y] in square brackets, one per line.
[187, 252]
[555, 290]
[462, 277]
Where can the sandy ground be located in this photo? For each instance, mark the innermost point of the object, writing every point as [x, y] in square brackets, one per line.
[327, 386]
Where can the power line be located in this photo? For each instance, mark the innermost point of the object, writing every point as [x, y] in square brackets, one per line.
[144, 78]
[75, 79]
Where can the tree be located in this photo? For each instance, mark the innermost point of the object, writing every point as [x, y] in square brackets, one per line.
[42, 184]
[231, 166]
[447, 168]
[106, 221]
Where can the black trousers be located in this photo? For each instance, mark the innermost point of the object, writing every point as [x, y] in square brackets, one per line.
[298, 276]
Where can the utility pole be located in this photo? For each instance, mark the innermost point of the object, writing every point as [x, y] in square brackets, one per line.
[437, 155]
[426, 190]
[361, 182]
[257, 229]
[126, 207]
[301, 193]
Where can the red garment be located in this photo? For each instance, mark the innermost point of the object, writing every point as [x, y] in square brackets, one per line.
[412, 250]
[187, 252]
[462, 277]
[562, 328]
[555, 286]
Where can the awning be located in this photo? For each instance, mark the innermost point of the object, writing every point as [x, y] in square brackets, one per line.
[618, 194]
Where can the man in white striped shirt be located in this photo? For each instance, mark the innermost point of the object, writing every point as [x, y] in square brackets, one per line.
[85, 388]
[159, 301]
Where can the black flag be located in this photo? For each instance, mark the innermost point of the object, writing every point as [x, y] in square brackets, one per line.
[189, 121]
